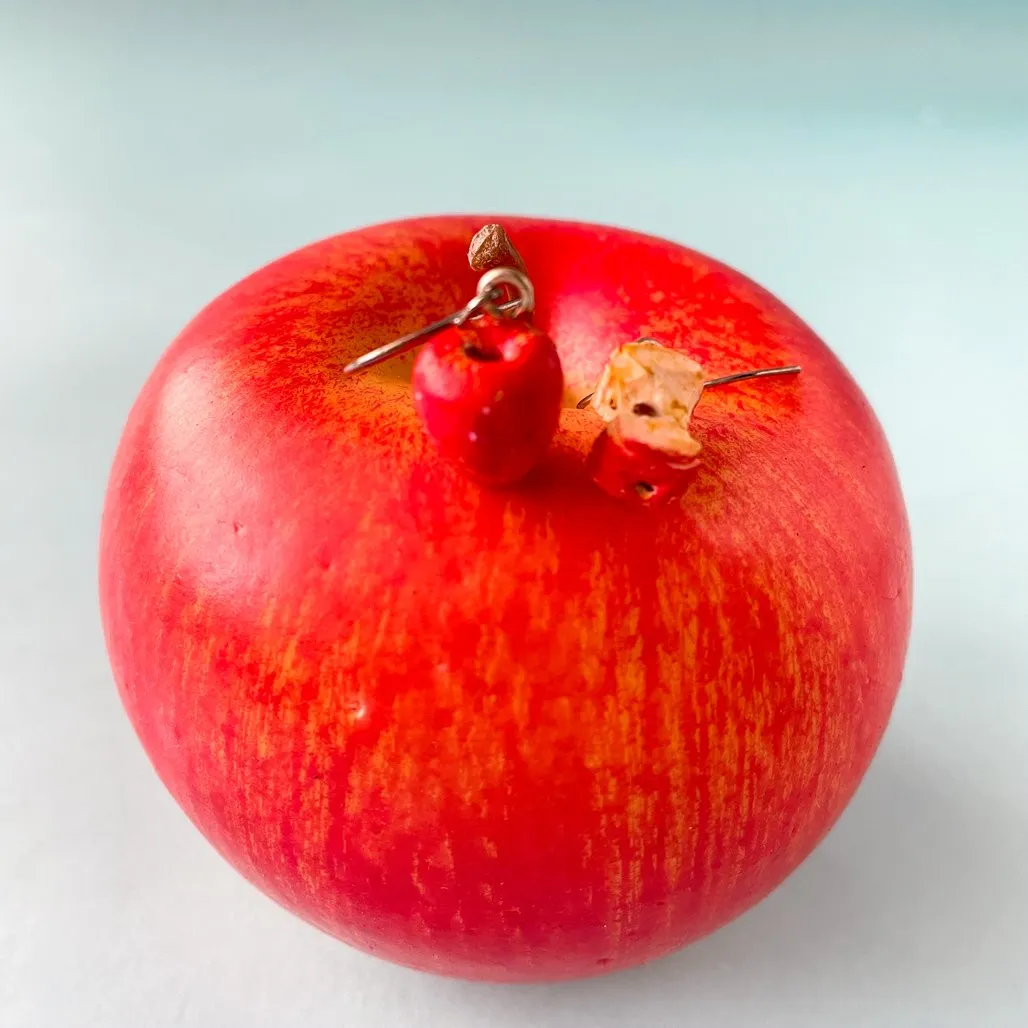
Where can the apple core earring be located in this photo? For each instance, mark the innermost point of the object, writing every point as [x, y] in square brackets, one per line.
[646, 396]
[488, 386]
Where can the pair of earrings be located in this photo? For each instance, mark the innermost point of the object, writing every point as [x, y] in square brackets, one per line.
[488, 387]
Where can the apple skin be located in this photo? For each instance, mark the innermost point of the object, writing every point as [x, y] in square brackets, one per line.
[515, 735]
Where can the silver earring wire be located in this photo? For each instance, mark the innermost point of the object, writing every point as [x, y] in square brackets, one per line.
[489, 290]
[738, 376]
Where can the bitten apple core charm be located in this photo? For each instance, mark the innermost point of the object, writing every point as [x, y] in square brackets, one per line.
[646, 397]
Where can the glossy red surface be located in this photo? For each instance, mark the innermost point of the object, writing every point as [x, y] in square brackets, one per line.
[523, 734]
[489, 394]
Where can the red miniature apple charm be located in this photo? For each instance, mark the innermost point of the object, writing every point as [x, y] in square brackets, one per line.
[489, 394]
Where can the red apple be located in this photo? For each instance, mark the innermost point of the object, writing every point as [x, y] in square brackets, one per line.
[526, 734]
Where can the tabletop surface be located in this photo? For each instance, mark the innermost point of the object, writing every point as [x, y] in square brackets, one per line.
[868, 162]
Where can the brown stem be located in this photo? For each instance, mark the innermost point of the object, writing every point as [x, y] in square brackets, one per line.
[491, 248]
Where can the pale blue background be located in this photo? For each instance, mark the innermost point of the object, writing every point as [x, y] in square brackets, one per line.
[867, 161]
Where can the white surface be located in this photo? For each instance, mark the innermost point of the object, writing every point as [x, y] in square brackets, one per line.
[869, 166]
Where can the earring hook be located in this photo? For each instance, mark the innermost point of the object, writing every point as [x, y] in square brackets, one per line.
[738, 376]
[489, 289]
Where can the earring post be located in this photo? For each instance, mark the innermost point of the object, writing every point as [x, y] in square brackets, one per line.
[742, 376]
[738, 376]
[488, 289]
[401, 345]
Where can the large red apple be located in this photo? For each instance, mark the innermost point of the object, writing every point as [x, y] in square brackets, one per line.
[524, 734]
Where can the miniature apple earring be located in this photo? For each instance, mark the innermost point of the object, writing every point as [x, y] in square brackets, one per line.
[646, 396]
[488, 386]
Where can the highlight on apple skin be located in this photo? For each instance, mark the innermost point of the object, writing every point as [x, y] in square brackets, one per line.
[514, 734]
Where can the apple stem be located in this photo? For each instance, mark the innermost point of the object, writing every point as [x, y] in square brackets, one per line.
[491, 248]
